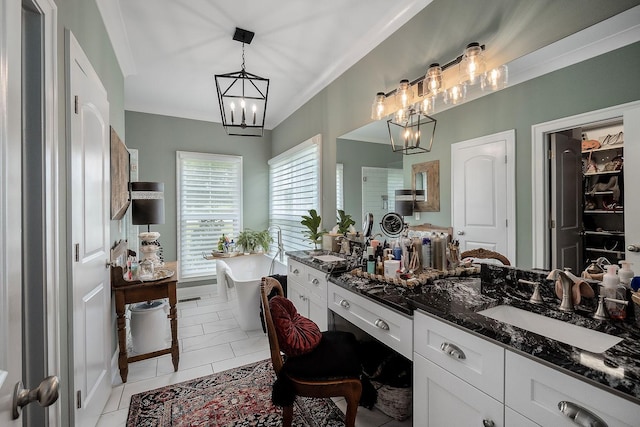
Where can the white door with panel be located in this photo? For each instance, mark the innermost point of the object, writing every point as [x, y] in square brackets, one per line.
[89, 221]
[483, 193]
[632, 175]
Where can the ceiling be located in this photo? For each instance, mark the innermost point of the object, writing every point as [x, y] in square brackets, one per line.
[170, 53]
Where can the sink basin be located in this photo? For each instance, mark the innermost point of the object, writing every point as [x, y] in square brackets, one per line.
[577, 336]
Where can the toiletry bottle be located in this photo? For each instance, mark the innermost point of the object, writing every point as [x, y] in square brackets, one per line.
[625, 273]
[613, 289]
[397, 251]
[436, 252]
[444, 242]
[371, 265]
[379, 266]
[426, 253]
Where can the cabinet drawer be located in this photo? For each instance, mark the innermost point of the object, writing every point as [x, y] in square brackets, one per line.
[534, 390]
[316, 282]
[442, 399]
[295, 271]
[473, 359]
[383, 324]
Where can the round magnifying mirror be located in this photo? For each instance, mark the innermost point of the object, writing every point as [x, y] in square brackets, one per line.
[392, 224]
[367, 224]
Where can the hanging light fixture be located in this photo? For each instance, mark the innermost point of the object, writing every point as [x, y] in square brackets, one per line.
[472, 64]
[434, 79]
[404, 95]
[242, 96]
[495, 79]
[377, 109]
[411, 132]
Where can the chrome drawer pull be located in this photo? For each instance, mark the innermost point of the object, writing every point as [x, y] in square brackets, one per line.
[296, 271]
[488, 423]
[580, 415]
[344, 303]
[381, 324]
[315, 282]
[452, 350]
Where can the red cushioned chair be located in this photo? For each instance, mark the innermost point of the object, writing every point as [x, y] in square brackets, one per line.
[307, 383]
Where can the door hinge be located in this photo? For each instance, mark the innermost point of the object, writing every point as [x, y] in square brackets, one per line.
[505, 159]
[506, 223]
[552, 224]
[79, 399]
[77, 252]
[550, 154]
[75, 102]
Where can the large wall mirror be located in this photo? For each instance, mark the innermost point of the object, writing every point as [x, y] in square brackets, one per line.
[426, 176]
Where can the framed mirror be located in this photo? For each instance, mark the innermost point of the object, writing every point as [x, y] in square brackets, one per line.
[426, 176]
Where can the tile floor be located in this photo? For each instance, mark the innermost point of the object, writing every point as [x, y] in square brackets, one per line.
[210, 341]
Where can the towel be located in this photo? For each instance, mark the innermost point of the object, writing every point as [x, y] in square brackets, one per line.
[222, 270]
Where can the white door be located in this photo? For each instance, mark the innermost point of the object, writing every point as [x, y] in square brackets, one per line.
[632, 175]
[566, 202]
[483, 193]
[89, 222]
[38, 24]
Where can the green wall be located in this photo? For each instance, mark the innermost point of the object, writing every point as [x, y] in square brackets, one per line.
[159, 137]
[345, 105]
[355, 155]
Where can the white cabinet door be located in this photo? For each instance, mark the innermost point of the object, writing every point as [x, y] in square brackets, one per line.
[442, 399]
[514, 419]
[296, 293]
[632, 177]
[318, 312]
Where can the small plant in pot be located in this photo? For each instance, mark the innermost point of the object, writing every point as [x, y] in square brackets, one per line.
[345, 223]
[251, 240]
[264, 240]
[313, 232]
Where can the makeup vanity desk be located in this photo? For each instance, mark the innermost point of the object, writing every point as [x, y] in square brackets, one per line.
[129, 292]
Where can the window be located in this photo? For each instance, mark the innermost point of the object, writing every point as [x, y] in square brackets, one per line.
[294, 189]
[209, 193]
[339, 186]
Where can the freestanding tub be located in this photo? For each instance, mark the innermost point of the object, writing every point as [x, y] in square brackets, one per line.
[244, 273]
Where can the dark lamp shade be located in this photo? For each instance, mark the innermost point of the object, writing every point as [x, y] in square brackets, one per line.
[404, 202]
[147, 203]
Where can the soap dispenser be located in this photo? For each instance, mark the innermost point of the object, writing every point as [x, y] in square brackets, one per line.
[625, 274]
[613, 289]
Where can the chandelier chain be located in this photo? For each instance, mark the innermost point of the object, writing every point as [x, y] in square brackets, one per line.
[242, 56]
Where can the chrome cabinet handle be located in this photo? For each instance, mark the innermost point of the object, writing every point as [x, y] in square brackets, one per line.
[315, 281]
[488, 423]
[460, 233]
[580, 415]
[453, 350]
[344, 303]
[381, 324]
[633, 248]
[296, 271]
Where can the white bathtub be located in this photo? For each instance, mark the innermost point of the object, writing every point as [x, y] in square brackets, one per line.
[244, 273]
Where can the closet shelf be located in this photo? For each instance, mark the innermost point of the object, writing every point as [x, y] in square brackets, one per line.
[598, 193]
[603, 233]
[603, 173]
[602, 211]
[606, 251]
[605, 148]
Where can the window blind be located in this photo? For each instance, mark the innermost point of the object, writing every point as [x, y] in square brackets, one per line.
[209, 204]
[294, 189]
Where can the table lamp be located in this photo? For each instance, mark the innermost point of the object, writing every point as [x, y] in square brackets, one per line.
[147, 207]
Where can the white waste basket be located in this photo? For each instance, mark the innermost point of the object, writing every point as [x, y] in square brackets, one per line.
[149, 326]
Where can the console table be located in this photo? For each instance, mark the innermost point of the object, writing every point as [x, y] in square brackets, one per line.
[129, 292]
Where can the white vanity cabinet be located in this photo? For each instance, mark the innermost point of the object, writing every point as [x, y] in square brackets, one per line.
[385, 325]
[535, 391]
[457, 377]
[307, 289]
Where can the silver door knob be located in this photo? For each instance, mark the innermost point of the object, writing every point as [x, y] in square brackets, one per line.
[460, 233]
[46, 394]
[633, 248]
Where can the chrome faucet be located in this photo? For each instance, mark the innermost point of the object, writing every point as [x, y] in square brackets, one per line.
[567, 282]
[280, 252]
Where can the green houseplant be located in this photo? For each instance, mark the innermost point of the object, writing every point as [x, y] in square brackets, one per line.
[313, 232]
[344, 222]
[250, 240]
[263, 239]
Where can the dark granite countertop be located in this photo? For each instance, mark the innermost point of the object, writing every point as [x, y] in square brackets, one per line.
[458, 300]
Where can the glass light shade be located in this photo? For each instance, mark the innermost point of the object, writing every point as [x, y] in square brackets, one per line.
[377, 109]
[428, 104]
[496, 78]
[433, 79]
[472, 66]
[404, 95]
[455, 94]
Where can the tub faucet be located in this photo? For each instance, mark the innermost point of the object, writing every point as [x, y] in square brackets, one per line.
[280, 252]
[567, 285]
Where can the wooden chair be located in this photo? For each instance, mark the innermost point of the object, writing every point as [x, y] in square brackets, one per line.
[349, 388]
[483, 253]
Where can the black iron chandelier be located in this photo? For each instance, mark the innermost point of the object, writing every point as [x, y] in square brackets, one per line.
[242, 96]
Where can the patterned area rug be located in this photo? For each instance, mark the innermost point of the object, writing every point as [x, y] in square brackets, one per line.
[237, 397]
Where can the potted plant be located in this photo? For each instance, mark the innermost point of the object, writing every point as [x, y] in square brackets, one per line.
[345, 222]
[247, 240]
[313, 232]
[263, 239]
